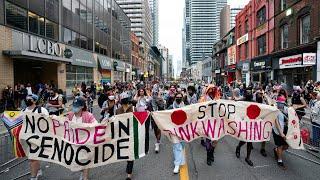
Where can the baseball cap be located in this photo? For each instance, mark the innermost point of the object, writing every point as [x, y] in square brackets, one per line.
[78, 102]
[33, 96]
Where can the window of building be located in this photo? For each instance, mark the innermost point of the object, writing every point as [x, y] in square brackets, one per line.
[284, 36]
[262, 45]
[240, 50]
[239, 31]
[83, 42]
[305, 29]
[283, 4]
[52, 10]
[76, 7]
[37, 7]
[90, 44]
[247, 26]
[78, 75]
[67, 4]
[247, 49]
[261, 16]
[67, 38]
[83, 10]
[16, 16]
[33, 23]
[52, 30]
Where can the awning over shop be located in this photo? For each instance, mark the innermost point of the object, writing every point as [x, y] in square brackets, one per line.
[121, 66]
[82, 57]
[22, 54]
[105, 62]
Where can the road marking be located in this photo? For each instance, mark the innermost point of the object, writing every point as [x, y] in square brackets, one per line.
[184, 174]
[261, 166]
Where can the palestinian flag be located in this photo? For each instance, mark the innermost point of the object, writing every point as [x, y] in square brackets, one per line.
[13, 121]
[141, 134]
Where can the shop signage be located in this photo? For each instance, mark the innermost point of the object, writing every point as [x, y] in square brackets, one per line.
[121, 66]
[68, 53]
[45, 46]
[290, 61]
[245, 67]
[309, 59]
[261, 64]
[105, 63]
[232, 55]
[217, 71]
[243, 39]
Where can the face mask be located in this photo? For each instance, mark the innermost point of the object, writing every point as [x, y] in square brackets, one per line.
[111, 98]
[179, 100]
[76, 109]
[29, 102]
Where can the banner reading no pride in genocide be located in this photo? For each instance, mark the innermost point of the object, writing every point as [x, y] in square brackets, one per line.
[245, 121]
[125, 137]
[78, 146]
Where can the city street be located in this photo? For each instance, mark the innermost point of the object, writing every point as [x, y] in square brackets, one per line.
[160, 166]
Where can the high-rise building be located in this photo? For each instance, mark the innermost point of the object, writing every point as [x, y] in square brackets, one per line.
[141, 20]
[154, 6]
[227, 19]
[186, 35]
[165, 62]
[204, 27]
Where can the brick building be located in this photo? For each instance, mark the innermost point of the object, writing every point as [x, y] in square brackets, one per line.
[136, 57]
[296, 32]
[255, 34]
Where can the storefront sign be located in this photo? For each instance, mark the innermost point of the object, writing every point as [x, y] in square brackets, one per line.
[245, 67]
[121, 66]
[217, 71]
[232, 55]
[44, 46]
[309, 59]
[82, 58]
[68, 53]
[290, 62]
[105, 62]
[243, 39]
[262, 64]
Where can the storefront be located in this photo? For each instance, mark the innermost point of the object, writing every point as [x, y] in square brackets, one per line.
[105, 69]
[296, 69]
[119, 71]
[128, 72]
[26, 58]
[243, 71]
[81, 70]
[261, 70]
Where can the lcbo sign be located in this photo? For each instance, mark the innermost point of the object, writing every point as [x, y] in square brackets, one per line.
[44, 46]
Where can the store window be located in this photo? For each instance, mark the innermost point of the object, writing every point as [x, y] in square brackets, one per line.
[284, 36]
[261, 16]
[52, 30]
[305, 29]
[16, 16]
[78, 75]
[262, 45]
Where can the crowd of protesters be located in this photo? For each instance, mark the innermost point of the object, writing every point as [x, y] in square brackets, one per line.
[140, 96]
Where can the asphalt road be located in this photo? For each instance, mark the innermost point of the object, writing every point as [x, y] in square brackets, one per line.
[160, 166]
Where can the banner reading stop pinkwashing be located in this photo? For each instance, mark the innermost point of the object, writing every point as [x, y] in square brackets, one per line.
[245, 121]
[79, 146]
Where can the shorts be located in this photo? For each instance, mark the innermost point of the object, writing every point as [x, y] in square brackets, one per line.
[278, 140]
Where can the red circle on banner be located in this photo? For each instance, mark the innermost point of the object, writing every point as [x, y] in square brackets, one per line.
[253, 111]
[295, 136]
[294, 122]
[178, 117]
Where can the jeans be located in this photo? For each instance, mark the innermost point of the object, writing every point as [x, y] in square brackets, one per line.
[129, 167]
[316, 134]
[178, 154]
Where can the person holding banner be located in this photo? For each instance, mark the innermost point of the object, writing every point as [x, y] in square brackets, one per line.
[247, 97]
[142, 100]
[178, 148]
[31, 102]
[79, 114]
[280, 130]
[211, 93]
[126, 108]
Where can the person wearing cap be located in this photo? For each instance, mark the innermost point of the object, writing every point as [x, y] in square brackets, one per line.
[279, 131]
[31, 102]
[126, 107]
[79, 114]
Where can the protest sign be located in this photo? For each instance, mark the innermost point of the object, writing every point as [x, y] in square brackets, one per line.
[245, 121]
[79, 146]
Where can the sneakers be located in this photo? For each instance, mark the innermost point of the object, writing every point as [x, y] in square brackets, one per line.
[263, 152]
[281, 165]
[176, 169]
[249, 162]
[157, 148]
[38, 175]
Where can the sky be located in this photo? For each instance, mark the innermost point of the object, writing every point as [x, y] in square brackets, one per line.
[171, 24]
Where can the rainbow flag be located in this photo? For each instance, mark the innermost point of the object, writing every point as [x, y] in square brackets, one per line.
[13, 121]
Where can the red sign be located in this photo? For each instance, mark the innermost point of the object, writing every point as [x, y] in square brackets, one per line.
[290, 61]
